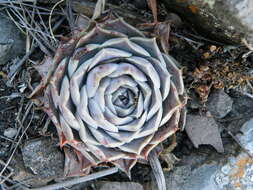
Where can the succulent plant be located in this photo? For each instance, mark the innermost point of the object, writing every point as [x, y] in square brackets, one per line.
[112, 95]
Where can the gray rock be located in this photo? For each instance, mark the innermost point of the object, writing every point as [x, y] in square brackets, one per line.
[202, 178]
[120, 186]
[242, 111]
[10, 132]
[212, 21]
[246, 137]
[178, 178]
[43, 157]
[187, 177]
[12, 43]
[242, 106]
[219, 104]
[227, 173]
[203, 130]
[233, 171]
[22, 174]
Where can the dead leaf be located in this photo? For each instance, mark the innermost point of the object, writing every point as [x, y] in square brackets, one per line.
[162, 31]
[100, 7]
[203, 92]
[203, 130]
[74, 162]
[45, 69]
[206, 55]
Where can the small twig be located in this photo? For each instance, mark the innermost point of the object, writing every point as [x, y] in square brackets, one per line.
[190, 41]
[12, 96]
[6, 177]
[249, 46]
[58, 23]
[79, 180]
[17, 118]
[14, 72]
[18, 1]
[14, 151]
[42, 35]
[9, 175]
[28, 5]
[45, 11]
[7, 109]
[70, 15]
[15, 22]
[50, 18]
[246, 94]
[21, 19]
[245, 55]
[238, 142]
[6, 138]
[207, 40]
[42, 21]
[16, 184]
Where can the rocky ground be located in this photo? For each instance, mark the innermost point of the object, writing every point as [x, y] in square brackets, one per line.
[215, 150]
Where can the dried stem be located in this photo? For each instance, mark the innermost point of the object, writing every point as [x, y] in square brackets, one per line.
[79, 180]
[157, 170]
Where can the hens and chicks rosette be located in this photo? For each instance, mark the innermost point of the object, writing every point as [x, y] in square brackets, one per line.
[112, 95]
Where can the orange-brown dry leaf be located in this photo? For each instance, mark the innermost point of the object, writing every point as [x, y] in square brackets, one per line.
[212, 48]
[206, 55]
[193, 9]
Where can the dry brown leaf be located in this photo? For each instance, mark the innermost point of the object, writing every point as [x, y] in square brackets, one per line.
[153, 6]
[162, 31]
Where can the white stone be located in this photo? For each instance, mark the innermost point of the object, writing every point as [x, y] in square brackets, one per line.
[226, 169]
[10, 132]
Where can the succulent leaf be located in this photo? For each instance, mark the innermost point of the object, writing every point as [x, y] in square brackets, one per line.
[113, 96]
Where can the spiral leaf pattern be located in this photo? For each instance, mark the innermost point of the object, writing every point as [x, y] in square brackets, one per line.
[114, 96]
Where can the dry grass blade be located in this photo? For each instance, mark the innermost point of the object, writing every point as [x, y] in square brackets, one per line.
[36, 22]
[18, 1]
[25, 24]
[80, 179]
[35, 29]
[69, 15]
[19, 140]
[13, 72]
[50, 18]
[10, 172]
[194, 44]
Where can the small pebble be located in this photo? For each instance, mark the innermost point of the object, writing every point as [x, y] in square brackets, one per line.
[10, 132]
[219, 104]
